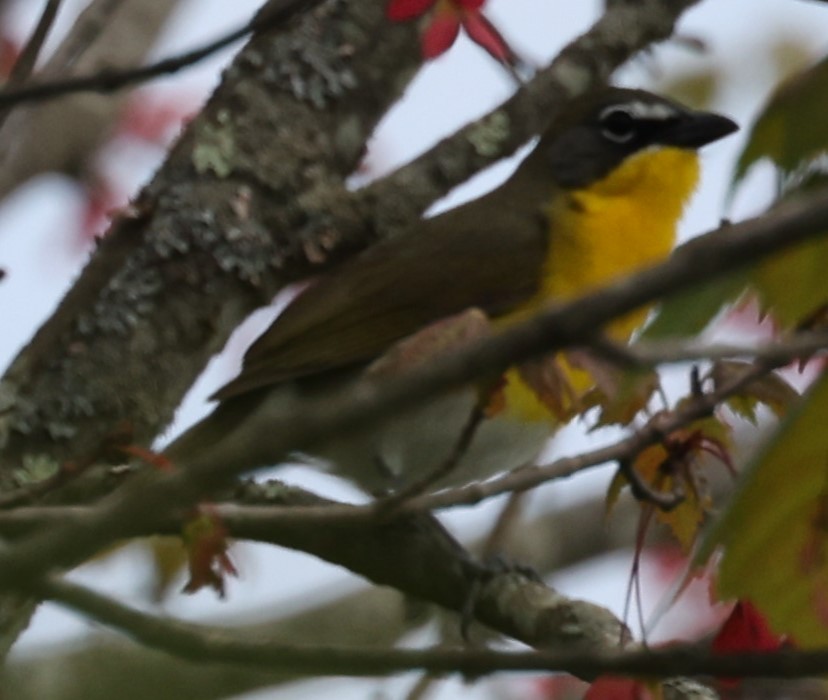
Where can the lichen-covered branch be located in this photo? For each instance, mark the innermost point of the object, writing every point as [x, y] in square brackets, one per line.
[150, 497]
[249, 199]
[214, 234]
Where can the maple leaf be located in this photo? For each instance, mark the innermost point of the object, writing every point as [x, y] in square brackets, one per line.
[620, 393]
[774, 532]
[744, 630]
[770, 390]
[671, 467]
[205, 539]
[447, 18]
[550, 382]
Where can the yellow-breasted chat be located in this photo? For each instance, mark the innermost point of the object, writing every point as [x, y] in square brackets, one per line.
[599, 196]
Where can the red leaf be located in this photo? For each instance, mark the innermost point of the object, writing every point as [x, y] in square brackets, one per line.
[746, 630]
[615, 688]
[440, 34]
[403, 10]
[469, 4]
[483, 33]
[205, 539]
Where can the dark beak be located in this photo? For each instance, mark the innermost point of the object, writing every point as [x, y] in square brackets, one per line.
[697, 129]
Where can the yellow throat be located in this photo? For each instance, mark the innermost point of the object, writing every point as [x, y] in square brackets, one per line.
[619, 224]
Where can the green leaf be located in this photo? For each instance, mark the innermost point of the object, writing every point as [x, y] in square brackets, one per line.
[791, 284]
[771, 390]
[792, 128]
[688, 314]
[775, 532]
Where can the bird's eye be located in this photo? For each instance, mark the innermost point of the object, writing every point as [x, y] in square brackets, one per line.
[617, 124]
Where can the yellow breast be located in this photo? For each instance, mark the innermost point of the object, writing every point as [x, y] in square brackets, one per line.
[619, 224]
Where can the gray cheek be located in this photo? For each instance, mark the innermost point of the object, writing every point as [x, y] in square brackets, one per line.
[581, 157]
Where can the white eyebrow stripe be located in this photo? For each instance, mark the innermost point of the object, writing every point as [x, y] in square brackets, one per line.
[650, 110]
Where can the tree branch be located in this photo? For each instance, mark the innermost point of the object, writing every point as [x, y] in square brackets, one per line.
[211, 237]
[584, 63]
[653, 353]
[226, 222]
[150, 497]
[25, 63]
[64, 137]
[110, 80]
[205, 643]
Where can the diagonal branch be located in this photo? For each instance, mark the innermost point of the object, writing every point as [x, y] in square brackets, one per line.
[584, 63]
[150, 497]
[204, 643]
[64, 137]
[110, 80]
[235, 213]
[25, 63]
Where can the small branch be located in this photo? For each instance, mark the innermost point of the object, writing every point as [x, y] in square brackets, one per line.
[586, 62]
[656, 428]
[211, 644]
[109, 81]
[25, 63]
[88, 28]
[536, 609]
[150, 497]
[391, 503]
[653, 353]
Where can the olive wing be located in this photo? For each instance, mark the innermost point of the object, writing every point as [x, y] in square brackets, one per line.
[467, 257]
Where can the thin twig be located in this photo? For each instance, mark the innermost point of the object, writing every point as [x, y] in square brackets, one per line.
[652, 432]
[109, 81]
[25, 63]
[150, 497]
[389, 504]
[83, 35]
[653, 353]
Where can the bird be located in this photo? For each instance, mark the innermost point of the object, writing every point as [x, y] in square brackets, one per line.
[598, 197]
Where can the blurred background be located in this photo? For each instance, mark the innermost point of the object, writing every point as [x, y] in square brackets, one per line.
[57, 193]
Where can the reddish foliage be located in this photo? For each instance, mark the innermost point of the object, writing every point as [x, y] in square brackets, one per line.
[483, 33]
[404, 10]
[440, 34]
[448, 16]
[103, 199]
[745, 629]
[561, 687]
[205, 539]
[615, 688]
